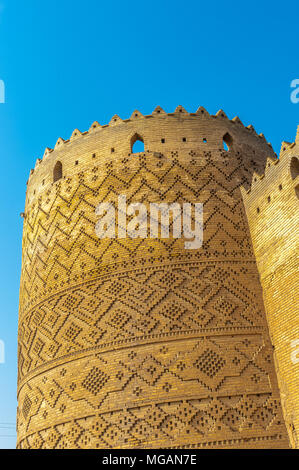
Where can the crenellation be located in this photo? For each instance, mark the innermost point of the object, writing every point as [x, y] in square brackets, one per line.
[75, 134]
[59, 142]
[251, 129]
[221, 114]
[180, 109]
[158, 113]
[115, 120]
[95, 125]
[136, 114]
[201, 111]
[237, 120]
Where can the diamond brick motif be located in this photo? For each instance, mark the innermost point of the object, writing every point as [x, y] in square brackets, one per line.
[26, 406]
[210, 363]
[95, 380]
[150, 370]
[263, 416]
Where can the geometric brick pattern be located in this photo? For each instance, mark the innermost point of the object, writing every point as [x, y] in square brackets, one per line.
[139, 342]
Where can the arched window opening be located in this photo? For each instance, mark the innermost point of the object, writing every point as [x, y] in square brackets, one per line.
[57, 172]
[294, 167]
[227, 142]
[137, 144]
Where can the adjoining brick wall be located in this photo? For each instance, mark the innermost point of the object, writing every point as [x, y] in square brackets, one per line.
[140, 342]
[272, 209]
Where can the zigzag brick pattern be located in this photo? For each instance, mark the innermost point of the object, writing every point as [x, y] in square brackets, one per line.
[139, 342]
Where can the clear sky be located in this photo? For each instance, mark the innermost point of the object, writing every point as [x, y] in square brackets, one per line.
[68, 63]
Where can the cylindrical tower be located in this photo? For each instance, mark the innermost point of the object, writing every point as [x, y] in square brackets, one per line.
[141, 342]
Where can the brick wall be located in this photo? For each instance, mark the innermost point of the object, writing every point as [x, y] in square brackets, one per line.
[272, 210]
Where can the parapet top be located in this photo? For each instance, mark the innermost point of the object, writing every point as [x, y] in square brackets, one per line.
[288, 149]
[137, 115]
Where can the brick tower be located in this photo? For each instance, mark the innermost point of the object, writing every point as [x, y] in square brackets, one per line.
[272, 210]
[140, 343]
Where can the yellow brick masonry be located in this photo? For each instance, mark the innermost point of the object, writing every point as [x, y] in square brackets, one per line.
[140, 343]
[272, 210]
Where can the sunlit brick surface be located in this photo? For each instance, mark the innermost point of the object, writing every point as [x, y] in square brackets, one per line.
[141, 343]
[272, 209]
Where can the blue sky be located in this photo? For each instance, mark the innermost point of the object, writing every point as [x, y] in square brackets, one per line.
[68, 63]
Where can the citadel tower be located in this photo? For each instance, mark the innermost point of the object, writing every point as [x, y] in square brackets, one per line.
[139, 342]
